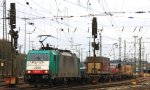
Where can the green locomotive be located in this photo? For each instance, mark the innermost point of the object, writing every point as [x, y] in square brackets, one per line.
[51, 67]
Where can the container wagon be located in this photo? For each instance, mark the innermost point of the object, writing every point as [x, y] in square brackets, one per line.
[102, 67]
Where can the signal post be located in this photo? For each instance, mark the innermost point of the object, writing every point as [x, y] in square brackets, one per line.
[11, 80]
[95, 47]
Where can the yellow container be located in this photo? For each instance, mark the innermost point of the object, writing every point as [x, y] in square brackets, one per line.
[133, 83]
[10, 80]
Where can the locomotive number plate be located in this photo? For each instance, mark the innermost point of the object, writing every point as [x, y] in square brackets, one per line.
[37, 67]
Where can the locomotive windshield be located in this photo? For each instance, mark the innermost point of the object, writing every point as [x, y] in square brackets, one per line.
[38, 57]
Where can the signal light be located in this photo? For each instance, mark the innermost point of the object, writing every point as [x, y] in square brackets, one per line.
[17, 53]
[94, 27]
[95, 45]
[15, 36]
[13, 15]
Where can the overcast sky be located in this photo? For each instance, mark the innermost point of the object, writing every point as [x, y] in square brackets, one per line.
[70, 22]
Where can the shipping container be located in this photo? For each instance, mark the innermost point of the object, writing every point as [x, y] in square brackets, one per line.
[114, 69]
[101, 65]
[127, 70]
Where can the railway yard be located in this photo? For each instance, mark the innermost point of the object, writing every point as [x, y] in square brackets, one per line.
[141, 84]
[74, 45]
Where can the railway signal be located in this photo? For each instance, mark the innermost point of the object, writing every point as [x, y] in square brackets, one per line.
[15, 39]
[17, 52]
[95, 45]
[13, 15]
[94, 27]
[14, 34]
[94, 34]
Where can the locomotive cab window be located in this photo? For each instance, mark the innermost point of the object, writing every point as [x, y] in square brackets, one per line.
[38, 57]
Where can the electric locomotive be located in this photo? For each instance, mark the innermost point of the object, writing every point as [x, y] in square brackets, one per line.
[51, 67]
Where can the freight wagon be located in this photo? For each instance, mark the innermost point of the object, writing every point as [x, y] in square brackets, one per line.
[127, 71]
[102, 67]
[113, 69]
[104, 70]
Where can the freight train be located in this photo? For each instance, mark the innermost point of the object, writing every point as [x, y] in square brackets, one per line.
[54, 66]
[105, 70]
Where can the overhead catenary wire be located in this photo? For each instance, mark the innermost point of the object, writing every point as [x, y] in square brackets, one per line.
[108, 18]
[73, 28]
[41, 17]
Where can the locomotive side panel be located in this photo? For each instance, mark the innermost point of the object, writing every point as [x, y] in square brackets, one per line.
[68, 65]
[53, 64]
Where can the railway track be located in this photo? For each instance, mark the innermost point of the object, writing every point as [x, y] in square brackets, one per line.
[85, 87]
[25, 86]
[106, 85]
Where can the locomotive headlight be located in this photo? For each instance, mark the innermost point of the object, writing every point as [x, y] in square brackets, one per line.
[28, 71]
[46, 71]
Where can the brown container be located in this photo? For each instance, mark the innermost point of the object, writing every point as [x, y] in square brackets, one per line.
[101, 65]
[127, 69]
